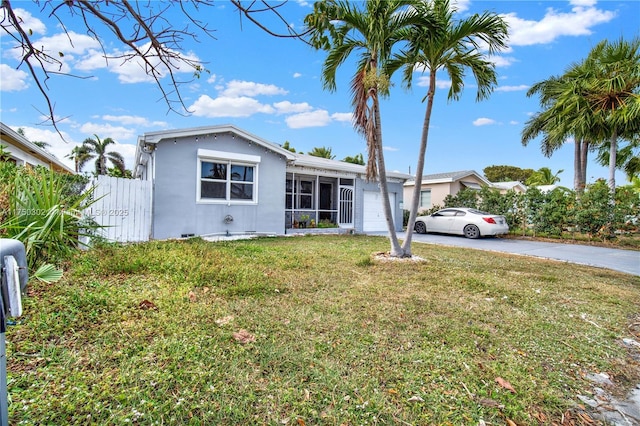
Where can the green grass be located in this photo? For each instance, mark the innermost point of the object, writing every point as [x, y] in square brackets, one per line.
[340, 338]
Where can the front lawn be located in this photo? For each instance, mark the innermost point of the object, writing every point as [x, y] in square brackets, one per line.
[314, 331]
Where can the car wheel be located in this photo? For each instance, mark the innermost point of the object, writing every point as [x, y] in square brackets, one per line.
[420, 228]
[471, 231]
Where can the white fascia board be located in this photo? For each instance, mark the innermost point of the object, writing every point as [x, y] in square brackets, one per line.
[225, 155]
[155, 137]
[325, 165]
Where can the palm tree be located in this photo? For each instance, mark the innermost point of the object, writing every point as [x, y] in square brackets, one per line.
[288, 147]
[627, 157]
[453, 47]
[613, 83]
[373, 30]
[356, 159]
[543, 176]
[96, 148]
[564, 117]
[80, 156]
[594, 102]
[322, 152]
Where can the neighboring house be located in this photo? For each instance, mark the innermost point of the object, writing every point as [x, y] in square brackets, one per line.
[436, 187]
[547, 188]
[505, 187]
[25, 153]
[222, 180]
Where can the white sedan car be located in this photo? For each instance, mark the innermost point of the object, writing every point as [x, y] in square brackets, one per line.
[471, 223]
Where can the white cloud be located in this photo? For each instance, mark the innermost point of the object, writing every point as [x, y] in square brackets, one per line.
[134, 70]
[58, 147]
[556, 24]
[29, 23]
[423, 81]
[483, 121]
[502, 61]
[92, 60]
[390, 148]
[286, 107]
[297, 75]
[212, 79]
[61, 148]
[117, 133]
[12, 80]
[586, 3]
[443, 84]
[225, 106]
[317, 118]
[461, 5]
[135, 120]
[249, 88]
[342, 116]
[512, 88]
[514, 122]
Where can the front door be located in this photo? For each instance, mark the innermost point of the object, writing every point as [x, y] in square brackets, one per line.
[326, 200]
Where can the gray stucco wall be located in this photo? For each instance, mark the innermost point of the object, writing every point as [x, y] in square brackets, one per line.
[175, 210]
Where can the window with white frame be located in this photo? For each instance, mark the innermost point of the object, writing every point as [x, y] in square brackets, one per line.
[425, 198]
[227, 177]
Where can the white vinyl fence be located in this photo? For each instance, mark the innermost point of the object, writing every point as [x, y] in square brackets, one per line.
[123, 207]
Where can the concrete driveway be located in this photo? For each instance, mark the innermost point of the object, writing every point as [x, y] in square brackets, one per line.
[627, 261]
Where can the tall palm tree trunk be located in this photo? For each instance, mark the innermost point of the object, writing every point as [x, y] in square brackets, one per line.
[613, 152]
[580, 165]
[577, 162]
[417, 188]
[396, 250]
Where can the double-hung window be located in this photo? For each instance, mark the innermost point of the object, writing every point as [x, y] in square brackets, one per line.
[227, 177]
[425, 198]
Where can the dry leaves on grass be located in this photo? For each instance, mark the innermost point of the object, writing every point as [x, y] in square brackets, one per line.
[504, 384]
[490, 403]
[244, 337]
[224, 320]
[147, 304]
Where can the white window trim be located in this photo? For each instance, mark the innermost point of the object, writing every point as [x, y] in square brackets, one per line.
[207, 155]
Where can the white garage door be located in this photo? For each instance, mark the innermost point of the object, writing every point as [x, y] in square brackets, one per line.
[373, 216]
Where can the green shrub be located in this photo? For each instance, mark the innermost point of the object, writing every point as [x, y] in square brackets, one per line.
[45, 213]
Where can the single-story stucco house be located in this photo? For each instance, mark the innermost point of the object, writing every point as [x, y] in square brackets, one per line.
[25, 153]
[436, 187]
[222, 180]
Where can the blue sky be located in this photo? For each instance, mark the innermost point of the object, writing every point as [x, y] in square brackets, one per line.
[272, 88]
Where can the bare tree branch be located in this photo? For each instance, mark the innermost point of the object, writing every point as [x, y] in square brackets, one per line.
[142, 28]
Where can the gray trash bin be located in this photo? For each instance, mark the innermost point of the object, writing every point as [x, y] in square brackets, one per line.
[12, 255]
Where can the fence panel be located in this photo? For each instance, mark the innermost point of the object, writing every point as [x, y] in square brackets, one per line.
[123, 207]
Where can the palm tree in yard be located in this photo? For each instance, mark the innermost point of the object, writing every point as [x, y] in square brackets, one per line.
[322, 152]
[596, 102]
[562, 118]
[371, 29]
[613, 93]
[544, 176]
[80, 156]
[444, 44]
[96, 148]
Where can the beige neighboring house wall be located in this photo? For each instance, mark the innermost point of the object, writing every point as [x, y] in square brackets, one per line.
[26, 153]
[439, 185]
